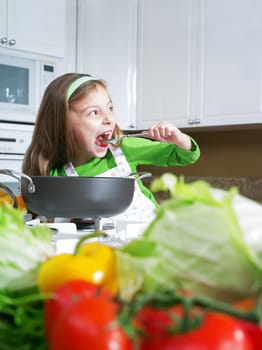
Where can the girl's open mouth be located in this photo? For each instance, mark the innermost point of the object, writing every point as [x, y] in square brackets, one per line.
[100, 139]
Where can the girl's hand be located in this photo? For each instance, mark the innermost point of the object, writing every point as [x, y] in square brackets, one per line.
[167, 132]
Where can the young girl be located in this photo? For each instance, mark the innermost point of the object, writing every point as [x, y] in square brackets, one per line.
[75, 117]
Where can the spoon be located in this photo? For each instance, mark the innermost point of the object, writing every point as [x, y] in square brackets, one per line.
[117, 141]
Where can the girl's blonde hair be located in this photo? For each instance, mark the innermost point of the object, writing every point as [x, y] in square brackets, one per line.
[52, 144]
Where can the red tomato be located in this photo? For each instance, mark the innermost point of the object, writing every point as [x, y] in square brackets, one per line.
[90, 323]
[251, 329]
[254, 332]
[217, 332]
[153, 321]
[65, 295]
[156, 322]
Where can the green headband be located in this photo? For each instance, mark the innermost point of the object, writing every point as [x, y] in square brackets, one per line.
[75, 85]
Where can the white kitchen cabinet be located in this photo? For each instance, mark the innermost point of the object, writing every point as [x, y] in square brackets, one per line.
[196, 63]
[107, 49]
[199, 62]
[230, 79]
[33, 26]
[167, 63]
[3, 20]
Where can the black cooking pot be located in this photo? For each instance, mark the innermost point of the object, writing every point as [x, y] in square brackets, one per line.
[76, 197]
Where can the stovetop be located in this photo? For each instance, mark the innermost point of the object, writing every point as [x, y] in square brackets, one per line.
[67, 234]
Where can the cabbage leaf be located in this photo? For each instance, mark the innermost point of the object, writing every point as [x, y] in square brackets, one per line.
[23, 249]
[200, 240]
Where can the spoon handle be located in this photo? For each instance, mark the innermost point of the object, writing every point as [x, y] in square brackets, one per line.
[119, 140]
[140, 134]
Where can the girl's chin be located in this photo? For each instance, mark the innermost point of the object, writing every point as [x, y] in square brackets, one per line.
[100, 152]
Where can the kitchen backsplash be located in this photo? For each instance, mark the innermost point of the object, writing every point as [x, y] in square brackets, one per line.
[249, 187]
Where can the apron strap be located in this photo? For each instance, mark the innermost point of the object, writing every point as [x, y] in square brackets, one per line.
[70, 169]
[123, 166]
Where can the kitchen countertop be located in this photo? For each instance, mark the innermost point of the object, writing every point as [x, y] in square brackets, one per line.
[248, 187]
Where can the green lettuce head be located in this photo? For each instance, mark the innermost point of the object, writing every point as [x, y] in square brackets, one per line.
[23, 249]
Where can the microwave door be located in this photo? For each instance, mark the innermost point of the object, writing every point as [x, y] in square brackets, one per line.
[17, 87]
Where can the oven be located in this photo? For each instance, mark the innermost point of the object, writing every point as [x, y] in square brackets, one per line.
[14, 141]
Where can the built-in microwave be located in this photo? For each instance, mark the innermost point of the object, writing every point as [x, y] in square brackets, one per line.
[23, 79]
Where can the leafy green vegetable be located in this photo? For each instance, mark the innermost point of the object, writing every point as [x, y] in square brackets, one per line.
[21, 320]
[23, 249]
[200, 241]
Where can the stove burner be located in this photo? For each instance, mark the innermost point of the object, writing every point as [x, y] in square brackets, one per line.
[84, 224]
[92, 225]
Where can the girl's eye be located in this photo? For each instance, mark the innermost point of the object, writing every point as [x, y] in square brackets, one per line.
[111, 108]
[93, 113]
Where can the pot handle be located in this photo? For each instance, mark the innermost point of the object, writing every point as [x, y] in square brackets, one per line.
[18, 176]
[10, 193]
[139, 175]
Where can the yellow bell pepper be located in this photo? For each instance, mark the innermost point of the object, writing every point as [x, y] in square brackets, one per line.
[94, 262]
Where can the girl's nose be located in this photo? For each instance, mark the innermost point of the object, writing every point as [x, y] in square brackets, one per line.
[108, 117]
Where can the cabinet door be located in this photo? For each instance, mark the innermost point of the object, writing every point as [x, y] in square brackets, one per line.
[167, 61]
[37, 26]
[3, 22]
[107, 50]
[231, 63]
[199, 62]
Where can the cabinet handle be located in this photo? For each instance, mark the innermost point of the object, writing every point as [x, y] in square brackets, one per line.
[194, 121]
[11, 42]
[3, 40]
